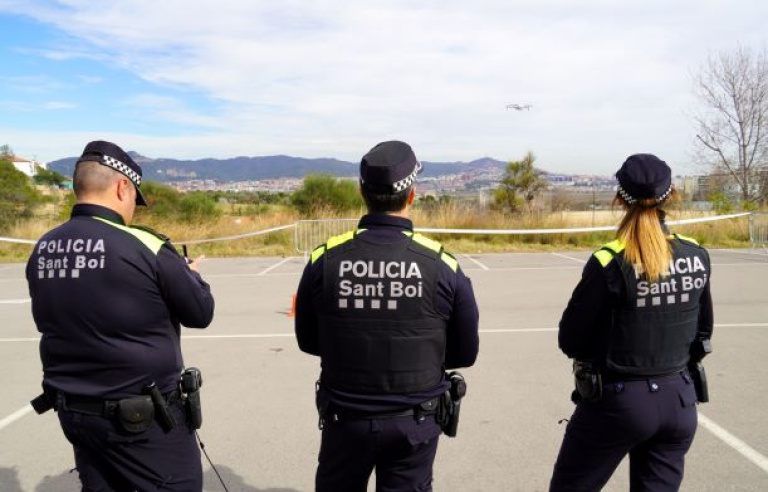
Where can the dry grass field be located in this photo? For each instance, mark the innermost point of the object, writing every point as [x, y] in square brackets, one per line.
[727, 233]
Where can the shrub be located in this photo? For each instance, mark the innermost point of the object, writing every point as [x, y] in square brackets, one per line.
[18, 198]
[321, 192]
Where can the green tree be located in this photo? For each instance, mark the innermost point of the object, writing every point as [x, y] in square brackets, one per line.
[165, 202]
[521, 183]
[197, 206]
[18, 198]
[322, 192]
[721, 203]
[49, 178]
[5, 151]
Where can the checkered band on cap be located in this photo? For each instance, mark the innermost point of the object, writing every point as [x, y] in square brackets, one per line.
[665, 194]
[626, 196]
[404, 183]
[631, 200]
[122, 168]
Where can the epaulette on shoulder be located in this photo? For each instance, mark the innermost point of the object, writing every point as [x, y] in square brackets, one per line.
[151, 231]
[149, 238]
[435, 246]
[687, 239]
[332, 243]
[609, 250]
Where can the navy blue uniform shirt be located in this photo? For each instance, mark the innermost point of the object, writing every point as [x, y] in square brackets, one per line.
[455, 300]
[109, 301]
[587, 319]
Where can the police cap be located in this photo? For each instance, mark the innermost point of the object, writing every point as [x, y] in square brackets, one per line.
[389, 167]
[111, 155]
[644, 176]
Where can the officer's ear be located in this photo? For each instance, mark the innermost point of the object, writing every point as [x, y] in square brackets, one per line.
[412, 196]
[124, 186]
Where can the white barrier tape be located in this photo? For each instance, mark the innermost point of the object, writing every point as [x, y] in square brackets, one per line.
[239, 236]
[565, 231]
[14, 240]
[439, 231]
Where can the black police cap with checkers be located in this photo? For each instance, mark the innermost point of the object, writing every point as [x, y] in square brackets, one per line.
[644, 176]
[389, 167]
[111, 155]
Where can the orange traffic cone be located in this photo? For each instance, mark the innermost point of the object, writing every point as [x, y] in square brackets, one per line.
[292, 312]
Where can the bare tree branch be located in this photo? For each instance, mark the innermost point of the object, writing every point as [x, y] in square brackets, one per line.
[732, 88]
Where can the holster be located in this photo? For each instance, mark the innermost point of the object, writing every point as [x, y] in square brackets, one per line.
[43, 403]
[322, 405]
[450, 407]
[164, 417]
[190, 384]
[588, 381]
[699, 378]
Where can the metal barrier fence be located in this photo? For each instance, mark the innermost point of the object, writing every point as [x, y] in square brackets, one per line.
[758, 229]
[310, 234]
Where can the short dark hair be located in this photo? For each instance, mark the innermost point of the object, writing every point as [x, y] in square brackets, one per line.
[380, 203]
[93, 177]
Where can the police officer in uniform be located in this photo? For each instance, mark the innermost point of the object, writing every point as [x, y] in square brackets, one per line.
[109, 300]
[387, 310]
[639, 317]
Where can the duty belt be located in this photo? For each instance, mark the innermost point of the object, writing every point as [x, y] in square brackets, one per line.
[96, 406]
[429, 407]
[612, 377]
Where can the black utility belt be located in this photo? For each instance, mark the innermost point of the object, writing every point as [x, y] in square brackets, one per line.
[429, 407]
[619, 378]
[97, 406]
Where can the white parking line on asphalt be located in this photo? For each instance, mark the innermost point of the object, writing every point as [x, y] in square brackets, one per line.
[291, 334]
[476, 262]
[570, 258]
[15, 301]
[250, 335]
[15, 416]
[269, 269]
[751, 252]
[735, 443]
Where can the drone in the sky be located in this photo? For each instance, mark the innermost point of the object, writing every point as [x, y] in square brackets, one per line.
[520, 107]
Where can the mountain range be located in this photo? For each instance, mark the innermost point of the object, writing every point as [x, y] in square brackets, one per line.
[266, 167]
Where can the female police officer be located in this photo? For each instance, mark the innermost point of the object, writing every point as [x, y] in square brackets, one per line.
[639, 316]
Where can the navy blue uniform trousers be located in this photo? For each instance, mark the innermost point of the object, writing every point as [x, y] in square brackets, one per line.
[401, 449]
[109, 459]
[652, 420]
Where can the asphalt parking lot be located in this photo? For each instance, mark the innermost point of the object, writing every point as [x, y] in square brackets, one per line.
[260, 423]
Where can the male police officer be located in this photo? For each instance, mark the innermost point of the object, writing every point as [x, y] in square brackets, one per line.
[109, 300]
[387, 311]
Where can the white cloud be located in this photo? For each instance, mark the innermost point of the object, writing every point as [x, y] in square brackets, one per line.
[24, 107]
[605, 78]
[90, 79]
[56, 105]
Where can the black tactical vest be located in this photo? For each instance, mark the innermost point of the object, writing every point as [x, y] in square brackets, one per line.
[379, 330]
[653, 328]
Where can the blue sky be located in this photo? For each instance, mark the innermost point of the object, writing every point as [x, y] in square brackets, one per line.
[331, 78]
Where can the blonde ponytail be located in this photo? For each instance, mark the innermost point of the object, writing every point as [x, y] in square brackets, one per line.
[647, 246]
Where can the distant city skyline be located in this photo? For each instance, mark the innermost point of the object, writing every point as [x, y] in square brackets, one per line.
[192, 80]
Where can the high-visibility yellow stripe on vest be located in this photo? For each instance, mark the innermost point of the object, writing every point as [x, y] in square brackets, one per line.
[436, 247]
[332, 243]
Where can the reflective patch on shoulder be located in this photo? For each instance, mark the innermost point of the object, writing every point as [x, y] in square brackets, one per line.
[152, 242]
[687, 239]
[617, 246]
[450, 261]
[317, 253]
[603, 256]
[340, 239]
[427, 242]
